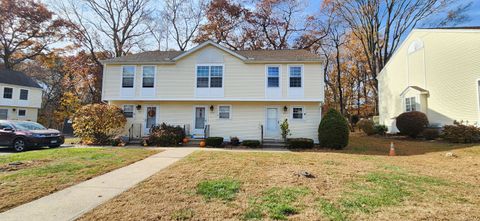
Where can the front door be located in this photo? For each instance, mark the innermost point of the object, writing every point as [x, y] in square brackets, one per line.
[272, 128]
[151, 118]
[199, 122]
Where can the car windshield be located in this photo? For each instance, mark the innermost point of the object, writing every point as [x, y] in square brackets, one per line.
[28, 126]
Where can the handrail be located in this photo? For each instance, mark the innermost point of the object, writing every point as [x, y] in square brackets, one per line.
[261, 133]
[130, 133]
[206, 131]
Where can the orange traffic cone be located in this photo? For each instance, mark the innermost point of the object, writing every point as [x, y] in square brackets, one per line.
[392, 150]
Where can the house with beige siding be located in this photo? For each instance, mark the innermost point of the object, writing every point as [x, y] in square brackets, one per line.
[435, 71]
[213, 91]
[20, 96]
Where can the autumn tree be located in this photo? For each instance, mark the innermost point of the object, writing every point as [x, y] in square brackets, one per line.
[27, 28]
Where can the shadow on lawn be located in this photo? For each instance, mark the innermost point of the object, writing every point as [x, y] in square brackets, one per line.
[370, 145]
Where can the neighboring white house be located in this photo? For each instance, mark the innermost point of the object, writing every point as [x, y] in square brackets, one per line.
[211, 89]
[20, 96]
[435, 71]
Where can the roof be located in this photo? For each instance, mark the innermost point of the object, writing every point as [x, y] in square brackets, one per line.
[8, 76]
[456, 28]
[248, 56]
[417, 88]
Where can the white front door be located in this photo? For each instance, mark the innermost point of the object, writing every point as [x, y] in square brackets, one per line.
[150, 118]
[272, 129]
[200, 119]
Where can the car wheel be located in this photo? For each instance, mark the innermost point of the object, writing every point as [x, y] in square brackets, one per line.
[19, 145]
[54, 146]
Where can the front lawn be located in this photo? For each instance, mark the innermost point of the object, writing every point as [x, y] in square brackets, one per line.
[30, 175]
[359, 183]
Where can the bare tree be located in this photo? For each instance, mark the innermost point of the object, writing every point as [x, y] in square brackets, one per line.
[185, 17]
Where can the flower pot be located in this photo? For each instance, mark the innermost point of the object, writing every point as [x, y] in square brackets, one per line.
[202, 143]
[185, 140]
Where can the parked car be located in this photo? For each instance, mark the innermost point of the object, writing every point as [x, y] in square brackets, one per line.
[23, 134]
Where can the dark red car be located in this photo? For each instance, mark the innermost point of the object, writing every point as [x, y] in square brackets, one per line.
[23, 134]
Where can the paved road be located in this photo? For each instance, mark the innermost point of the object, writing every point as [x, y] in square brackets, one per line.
[72, 202]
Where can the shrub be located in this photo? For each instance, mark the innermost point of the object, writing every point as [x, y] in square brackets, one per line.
[366, 126]
[214, 141]
[354, 119]
[431, 133]
[333, 130]
[251, 143]
[98, 123]
[300, 143]
[234, 141]
[459, 133]
[284, 127]
[412, 123]
[166, 135]
[380, 129]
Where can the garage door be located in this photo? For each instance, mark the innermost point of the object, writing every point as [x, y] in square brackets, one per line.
[3, 114]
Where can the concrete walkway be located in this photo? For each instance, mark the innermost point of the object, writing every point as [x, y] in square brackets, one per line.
[72, 202]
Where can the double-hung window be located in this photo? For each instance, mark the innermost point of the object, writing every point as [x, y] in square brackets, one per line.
[295, 76]
[8, 92]
[209, 76]
[297, 113]
[128, 111]
[273, 76]
[224, 112]
[148, 77]
[410, 104]
[128, 76]
[23, 94]
[22, 112]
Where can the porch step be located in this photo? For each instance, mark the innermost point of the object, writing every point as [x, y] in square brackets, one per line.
[273, 143]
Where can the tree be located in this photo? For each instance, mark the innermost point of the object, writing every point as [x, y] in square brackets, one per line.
[27, 28]
[98, 123]
[185, 17]
[226, 24]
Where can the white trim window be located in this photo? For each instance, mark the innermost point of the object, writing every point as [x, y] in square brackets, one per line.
[224, 111]
[410, 104]
[128, 76]
[297, 113]
[23, 94]
[209, 76]
[3, 114]
[22, 112]
[148, 76]
[273, 76]
[7, 92]
[296, 75]
[128, 110]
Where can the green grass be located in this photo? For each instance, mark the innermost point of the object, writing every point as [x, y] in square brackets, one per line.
[41, 172]
[224, 189]
[375, 190]
[277, 202]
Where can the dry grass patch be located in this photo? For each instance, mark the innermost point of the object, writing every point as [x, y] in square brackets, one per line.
[347, 186]
[30, 175]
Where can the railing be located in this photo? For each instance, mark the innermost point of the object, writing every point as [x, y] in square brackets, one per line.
[261, 133]
[130, 133]
[206, 131]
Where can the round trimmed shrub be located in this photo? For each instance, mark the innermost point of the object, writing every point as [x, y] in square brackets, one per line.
[367, 126]
[214, 141]
[166, 135]
[98, 123]
[412, 123]
[300, 143]
[333, 130]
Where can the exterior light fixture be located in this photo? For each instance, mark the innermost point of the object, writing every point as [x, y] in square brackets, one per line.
[285, 108]
[139, 107]
[211, 107]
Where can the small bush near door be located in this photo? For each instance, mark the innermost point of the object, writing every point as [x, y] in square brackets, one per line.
[166, 135]
[333, 131]
[300, 143]
[251, 143]
[367, 126]
[214, 141]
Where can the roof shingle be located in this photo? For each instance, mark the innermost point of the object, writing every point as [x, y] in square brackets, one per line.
[16, 78]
